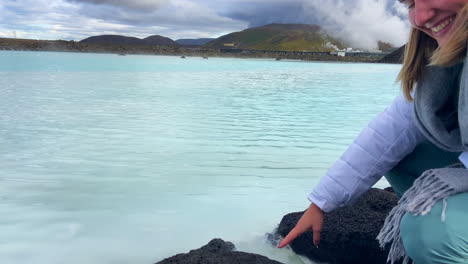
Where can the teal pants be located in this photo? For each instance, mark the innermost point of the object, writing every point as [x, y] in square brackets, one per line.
[428, 240]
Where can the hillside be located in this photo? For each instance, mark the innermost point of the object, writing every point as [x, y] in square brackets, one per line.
[284, 37]
[394, 57]
[159, 40]
[111, 39]
[123, 40]
[385, 46]
[10, 44]
[194, 42]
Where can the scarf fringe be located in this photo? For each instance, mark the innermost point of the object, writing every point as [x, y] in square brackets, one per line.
[418, 200]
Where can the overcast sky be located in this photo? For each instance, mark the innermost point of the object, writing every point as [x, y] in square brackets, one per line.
[360, 22]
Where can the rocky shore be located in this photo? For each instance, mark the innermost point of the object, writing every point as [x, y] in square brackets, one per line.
[215, 252]
[348, 237]
[176, 50]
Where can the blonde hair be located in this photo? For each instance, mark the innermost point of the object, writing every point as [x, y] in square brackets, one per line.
[422, 50]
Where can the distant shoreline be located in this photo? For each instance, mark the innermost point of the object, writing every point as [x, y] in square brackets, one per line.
[8, 44]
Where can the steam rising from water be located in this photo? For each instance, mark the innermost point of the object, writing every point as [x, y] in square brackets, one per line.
[361, 22]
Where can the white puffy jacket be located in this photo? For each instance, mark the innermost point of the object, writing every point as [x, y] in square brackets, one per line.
[379, 147]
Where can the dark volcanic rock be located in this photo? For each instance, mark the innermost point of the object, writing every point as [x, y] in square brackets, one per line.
[394, 57]
[349, 233]
[215, 252]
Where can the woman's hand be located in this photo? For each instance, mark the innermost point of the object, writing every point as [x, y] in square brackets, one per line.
[312, 219]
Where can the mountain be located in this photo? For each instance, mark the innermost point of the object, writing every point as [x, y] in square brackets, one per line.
[111, 39]
[194, 42]
[281, 37]
[159, 40]
[123, 40]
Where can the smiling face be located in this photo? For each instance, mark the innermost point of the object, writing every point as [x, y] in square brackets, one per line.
[434, 17]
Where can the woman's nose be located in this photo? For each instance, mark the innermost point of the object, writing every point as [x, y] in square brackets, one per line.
[423, 13]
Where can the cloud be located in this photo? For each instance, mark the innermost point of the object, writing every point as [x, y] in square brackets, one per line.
[171, 20]
[178, 13]
[141, 5]
[258, 13]
[72, 19]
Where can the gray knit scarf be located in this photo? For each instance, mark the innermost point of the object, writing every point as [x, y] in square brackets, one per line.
[441, 113]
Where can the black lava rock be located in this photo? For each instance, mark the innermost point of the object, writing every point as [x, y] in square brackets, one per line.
[396, 56]
[349, 233]
[215, 252]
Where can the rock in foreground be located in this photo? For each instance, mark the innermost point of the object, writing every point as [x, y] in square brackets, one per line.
[349, 233]
[215, 252]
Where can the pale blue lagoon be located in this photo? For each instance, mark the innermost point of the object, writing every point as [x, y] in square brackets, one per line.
[131, 159]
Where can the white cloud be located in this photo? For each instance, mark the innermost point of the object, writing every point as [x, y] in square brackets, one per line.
[132, 4]
[8, 34]
[59, 19]
[179, 19]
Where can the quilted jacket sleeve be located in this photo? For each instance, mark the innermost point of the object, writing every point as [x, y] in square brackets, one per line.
[379, 147]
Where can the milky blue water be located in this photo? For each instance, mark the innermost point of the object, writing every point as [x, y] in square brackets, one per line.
[130, 159]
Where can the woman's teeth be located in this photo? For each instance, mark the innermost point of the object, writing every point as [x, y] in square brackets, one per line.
[442, 25]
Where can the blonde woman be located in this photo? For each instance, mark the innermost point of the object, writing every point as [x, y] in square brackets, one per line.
[420, 145]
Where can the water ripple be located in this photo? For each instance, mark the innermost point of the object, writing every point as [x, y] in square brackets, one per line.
[154, 146]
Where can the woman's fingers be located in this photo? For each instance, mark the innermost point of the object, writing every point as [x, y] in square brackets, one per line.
[316, 235]
[317, 223]
[302, 225]
[295, 232]
[317, 229]
[311, 219]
